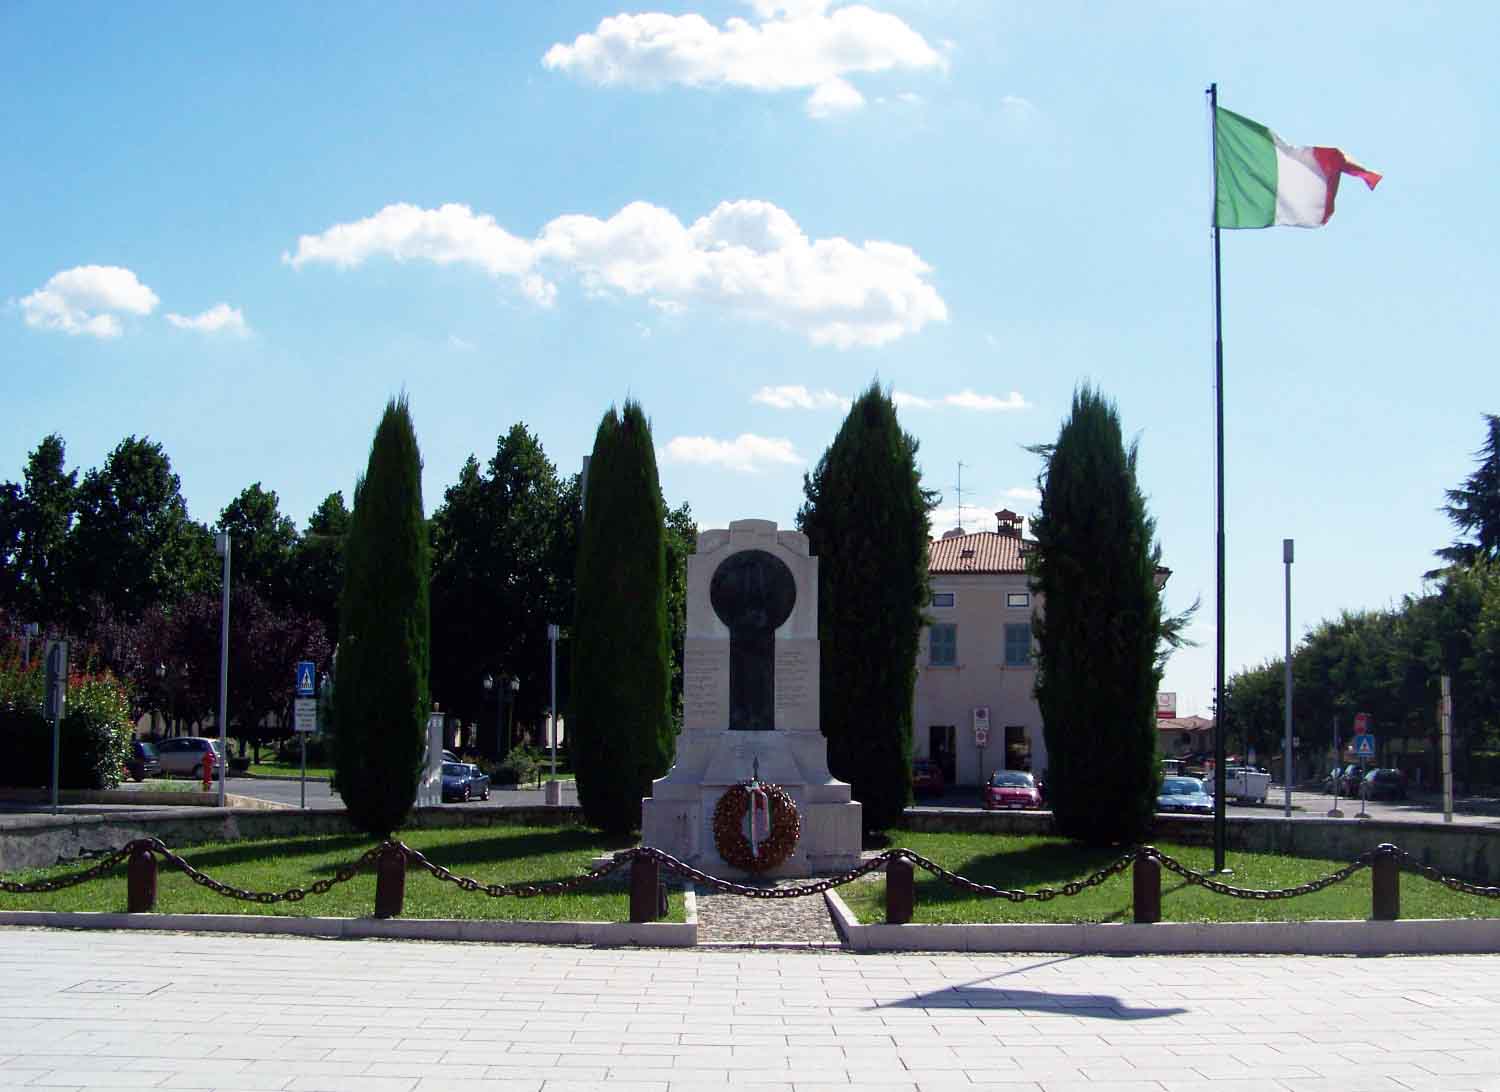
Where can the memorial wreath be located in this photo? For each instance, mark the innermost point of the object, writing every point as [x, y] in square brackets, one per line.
[783, 826]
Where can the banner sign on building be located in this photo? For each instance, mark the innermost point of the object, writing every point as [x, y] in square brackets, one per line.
[1166, 705]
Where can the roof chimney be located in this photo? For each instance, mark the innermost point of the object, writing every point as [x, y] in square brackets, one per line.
[1008, 523]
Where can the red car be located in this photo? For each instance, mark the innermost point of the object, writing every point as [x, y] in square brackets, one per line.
[926, 776]
[1011, 789]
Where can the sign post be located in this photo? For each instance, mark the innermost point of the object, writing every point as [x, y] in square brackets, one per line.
[55, 703]
[554, 631]
[305, 713]
[1445, 713]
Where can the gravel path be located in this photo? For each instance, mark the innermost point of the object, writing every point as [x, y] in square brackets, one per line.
[736, 919]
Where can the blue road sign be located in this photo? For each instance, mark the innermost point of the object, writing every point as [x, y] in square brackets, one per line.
[305, 676]
[1364, 746]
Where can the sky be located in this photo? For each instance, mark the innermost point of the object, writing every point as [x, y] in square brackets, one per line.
[240, 229]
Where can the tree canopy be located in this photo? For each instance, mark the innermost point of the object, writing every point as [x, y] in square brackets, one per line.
[1099, 629]
[381, 694]
[621, 727]
[865, 514]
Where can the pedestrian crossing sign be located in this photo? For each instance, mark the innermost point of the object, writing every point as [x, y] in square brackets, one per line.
[1364, 746]
[305, 676]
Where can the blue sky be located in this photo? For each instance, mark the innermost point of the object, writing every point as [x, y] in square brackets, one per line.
[240, 229]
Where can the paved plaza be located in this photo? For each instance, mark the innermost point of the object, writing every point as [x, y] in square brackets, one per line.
[131, 1010]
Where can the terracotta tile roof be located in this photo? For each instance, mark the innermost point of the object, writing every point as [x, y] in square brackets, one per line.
[978, 552]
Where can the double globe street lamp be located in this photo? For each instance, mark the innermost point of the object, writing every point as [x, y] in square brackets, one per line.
[513, 685]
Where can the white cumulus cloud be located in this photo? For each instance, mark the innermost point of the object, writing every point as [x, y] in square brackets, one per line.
[748, 257]
[746, 453]
[1024, 493]
[796, 45]
[218, 319]
[964, 399]
[987, 403]
[799, 397]
[88, 299]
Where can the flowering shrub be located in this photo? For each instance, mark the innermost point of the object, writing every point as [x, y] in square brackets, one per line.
[94, 735]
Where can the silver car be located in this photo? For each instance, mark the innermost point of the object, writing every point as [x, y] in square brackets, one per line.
[184, 755]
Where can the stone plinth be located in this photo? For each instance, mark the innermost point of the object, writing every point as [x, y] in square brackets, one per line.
[725, 668]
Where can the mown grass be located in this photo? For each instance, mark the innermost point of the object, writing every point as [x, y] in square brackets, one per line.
[497, 854]
[1029, 863]
[289, 769]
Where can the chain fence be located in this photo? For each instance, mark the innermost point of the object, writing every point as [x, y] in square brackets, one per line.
[665, 861]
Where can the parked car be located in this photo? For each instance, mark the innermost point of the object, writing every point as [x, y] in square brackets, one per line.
[142, 762]
[1184, 794]
[1011, 789]
[184, 755]
[464, 781]
[927, 776]
[1384, 784]
[1345, 779]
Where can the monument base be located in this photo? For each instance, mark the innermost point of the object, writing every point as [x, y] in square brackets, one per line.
[678, 816]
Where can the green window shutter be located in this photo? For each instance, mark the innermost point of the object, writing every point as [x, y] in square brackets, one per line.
[942, 646]
[1017, 644]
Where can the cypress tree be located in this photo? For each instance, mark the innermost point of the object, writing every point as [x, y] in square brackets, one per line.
[865, 516]
[1099, 630]
[381, 697]
[621, 730]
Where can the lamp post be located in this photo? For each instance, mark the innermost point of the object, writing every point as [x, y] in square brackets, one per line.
[222, 547]
[510, 728]
[489, 685]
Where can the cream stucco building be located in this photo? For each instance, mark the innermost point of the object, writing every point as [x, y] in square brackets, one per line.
[975, 663]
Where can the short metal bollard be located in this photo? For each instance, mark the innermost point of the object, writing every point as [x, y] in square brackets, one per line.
[900, 892]
[645, 889]
[390, 882]
[1385, 884]
[1146, 890]
[140, 881]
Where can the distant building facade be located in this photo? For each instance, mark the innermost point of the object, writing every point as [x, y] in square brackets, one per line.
[976, 662]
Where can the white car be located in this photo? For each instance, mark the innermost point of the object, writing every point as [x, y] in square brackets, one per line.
[184, 755]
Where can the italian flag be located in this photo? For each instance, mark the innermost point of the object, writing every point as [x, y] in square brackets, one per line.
[1262, 181]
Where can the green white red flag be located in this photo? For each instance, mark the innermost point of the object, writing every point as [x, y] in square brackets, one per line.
[1262, 181]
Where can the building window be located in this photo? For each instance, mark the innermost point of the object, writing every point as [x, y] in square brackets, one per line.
[942, 646]
[944, 599]
[1017, 644]
[1018, 599]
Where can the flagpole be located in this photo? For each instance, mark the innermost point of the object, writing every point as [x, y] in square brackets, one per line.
[1219, 704]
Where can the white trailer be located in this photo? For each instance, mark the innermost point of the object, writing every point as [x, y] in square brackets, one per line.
[1246, 785]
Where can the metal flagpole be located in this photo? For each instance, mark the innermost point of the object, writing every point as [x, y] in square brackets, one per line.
[1219, 707]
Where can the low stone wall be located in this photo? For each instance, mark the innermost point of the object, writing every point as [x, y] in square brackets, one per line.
[1464, 850]
[39, 841]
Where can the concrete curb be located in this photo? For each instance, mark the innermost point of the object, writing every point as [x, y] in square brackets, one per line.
[603, 934]
[1449, 936]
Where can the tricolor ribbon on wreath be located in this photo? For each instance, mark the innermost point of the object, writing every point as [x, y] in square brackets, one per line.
[760, 816]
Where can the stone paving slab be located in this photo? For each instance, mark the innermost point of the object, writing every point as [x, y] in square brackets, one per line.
[191, 1011]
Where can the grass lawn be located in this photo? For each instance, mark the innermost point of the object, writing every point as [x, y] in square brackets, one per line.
[1029, 863]
[498, 854]
[289, 769]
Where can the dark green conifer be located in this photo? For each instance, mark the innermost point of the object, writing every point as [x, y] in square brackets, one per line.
[865, 516]
[1099, 629]
[620, 734]
[381, 697]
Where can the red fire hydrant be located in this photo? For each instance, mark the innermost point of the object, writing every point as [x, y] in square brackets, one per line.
[208, 771]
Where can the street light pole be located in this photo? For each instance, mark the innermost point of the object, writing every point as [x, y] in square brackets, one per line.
[222, 546]
[1286, 746]
[553, 631]
[510, 727]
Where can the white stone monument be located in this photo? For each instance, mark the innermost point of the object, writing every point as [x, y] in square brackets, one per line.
[750, 699]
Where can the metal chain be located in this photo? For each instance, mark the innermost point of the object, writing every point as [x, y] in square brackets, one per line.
[265, 898]
[716, 883]
[516, 890]
[1429, 872]
[1042, 894]
[59, 882]
[1202, 879]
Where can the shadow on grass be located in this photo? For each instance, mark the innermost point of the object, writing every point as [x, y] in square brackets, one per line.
[349, 847]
